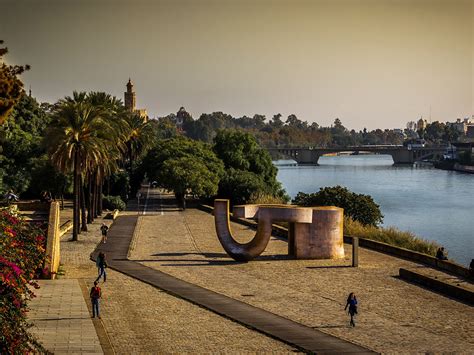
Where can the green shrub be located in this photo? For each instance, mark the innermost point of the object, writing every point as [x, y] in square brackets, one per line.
[113, 203]
[359, 207]
[390, 236]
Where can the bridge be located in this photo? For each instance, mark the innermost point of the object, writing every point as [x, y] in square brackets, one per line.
[400, 154]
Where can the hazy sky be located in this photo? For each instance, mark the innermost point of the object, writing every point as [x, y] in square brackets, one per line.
[372, 63]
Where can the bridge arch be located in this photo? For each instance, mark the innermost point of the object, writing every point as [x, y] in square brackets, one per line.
[400, 155]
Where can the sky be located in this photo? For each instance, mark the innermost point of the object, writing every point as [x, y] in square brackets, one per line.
[371, 63]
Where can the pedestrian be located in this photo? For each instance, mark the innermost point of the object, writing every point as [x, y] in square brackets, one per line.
[11, 197]
[46, 197]
[101, 264]
[352, 304]
[95, 296]
[104, 229]
[440, 254]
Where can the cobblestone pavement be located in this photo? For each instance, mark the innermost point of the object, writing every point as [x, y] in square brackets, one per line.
[394, 317]
[140, 319]
[61, 320]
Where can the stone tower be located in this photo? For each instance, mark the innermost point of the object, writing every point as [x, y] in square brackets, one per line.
[129, 97]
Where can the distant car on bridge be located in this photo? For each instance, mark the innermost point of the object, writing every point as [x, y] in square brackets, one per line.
[414, 143]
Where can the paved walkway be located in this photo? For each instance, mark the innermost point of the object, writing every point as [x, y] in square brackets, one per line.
[61, 318]
[395, 317]
[140, 319]
[303, 337]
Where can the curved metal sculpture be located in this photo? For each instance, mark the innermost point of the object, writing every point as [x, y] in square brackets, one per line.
[314, 233]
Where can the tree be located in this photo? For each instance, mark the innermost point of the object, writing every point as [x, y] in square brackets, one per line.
[435, 132]
[277, 121]
[20, 143]
[240, 151]
[239, 186]
[11, 87]
[138, 137]
[184, 166]
[359, 207]
[80, 139]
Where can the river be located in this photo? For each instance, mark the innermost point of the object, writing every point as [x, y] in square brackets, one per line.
[434, 204]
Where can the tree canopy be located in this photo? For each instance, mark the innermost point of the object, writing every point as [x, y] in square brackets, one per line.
[20, 144]
[184, 166]
[249, 168]
[11, 87]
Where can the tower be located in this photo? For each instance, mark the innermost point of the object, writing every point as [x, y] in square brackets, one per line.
[129, 97]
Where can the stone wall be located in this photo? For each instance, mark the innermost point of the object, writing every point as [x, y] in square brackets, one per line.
[53, 240]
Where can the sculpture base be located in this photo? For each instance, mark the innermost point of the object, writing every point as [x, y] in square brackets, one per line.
[322, 239]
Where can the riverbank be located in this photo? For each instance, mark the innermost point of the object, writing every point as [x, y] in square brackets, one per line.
[430, 203]
[452, 165]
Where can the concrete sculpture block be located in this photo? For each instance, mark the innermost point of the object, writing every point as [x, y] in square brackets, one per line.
[314, 232]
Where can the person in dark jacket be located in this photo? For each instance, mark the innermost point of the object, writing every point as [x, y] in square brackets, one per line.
[104, 229]
[441, 254]
[101, 264]
[352, 304]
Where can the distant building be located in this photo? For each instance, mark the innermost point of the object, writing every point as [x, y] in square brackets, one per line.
[411, 126]
[470, 131]
[421, 124]
[130, 102]
[462, 125]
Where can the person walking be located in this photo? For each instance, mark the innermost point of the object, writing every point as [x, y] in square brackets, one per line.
[352, 304]
[104, 229]
[95, 296]
[101, 264]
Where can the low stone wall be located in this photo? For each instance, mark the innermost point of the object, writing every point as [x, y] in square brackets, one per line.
[464, 168]
[53, 240]
[456, 292]
[411, 255]
[32, 206]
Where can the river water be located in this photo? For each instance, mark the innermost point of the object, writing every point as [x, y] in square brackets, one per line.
[434, 204]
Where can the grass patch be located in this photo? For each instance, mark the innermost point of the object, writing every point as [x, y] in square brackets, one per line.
[391, 236]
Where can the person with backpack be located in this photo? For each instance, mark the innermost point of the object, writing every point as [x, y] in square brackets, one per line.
[104, 229]
[95, 296]
[101, 264]
[352, 304]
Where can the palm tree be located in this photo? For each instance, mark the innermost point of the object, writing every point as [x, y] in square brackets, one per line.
[115, 115]
[138, 137]
[77, 141]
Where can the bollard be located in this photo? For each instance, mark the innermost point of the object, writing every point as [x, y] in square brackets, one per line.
[355, 252]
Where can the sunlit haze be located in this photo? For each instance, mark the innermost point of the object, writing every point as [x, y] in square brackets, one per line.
[372, 63]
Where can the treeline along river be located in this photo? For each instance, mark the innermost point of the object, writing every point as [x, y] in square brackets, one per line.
[434, 204]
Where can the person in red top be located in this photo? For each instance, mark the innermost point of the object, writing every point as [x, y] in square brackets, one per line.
[95, 295]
